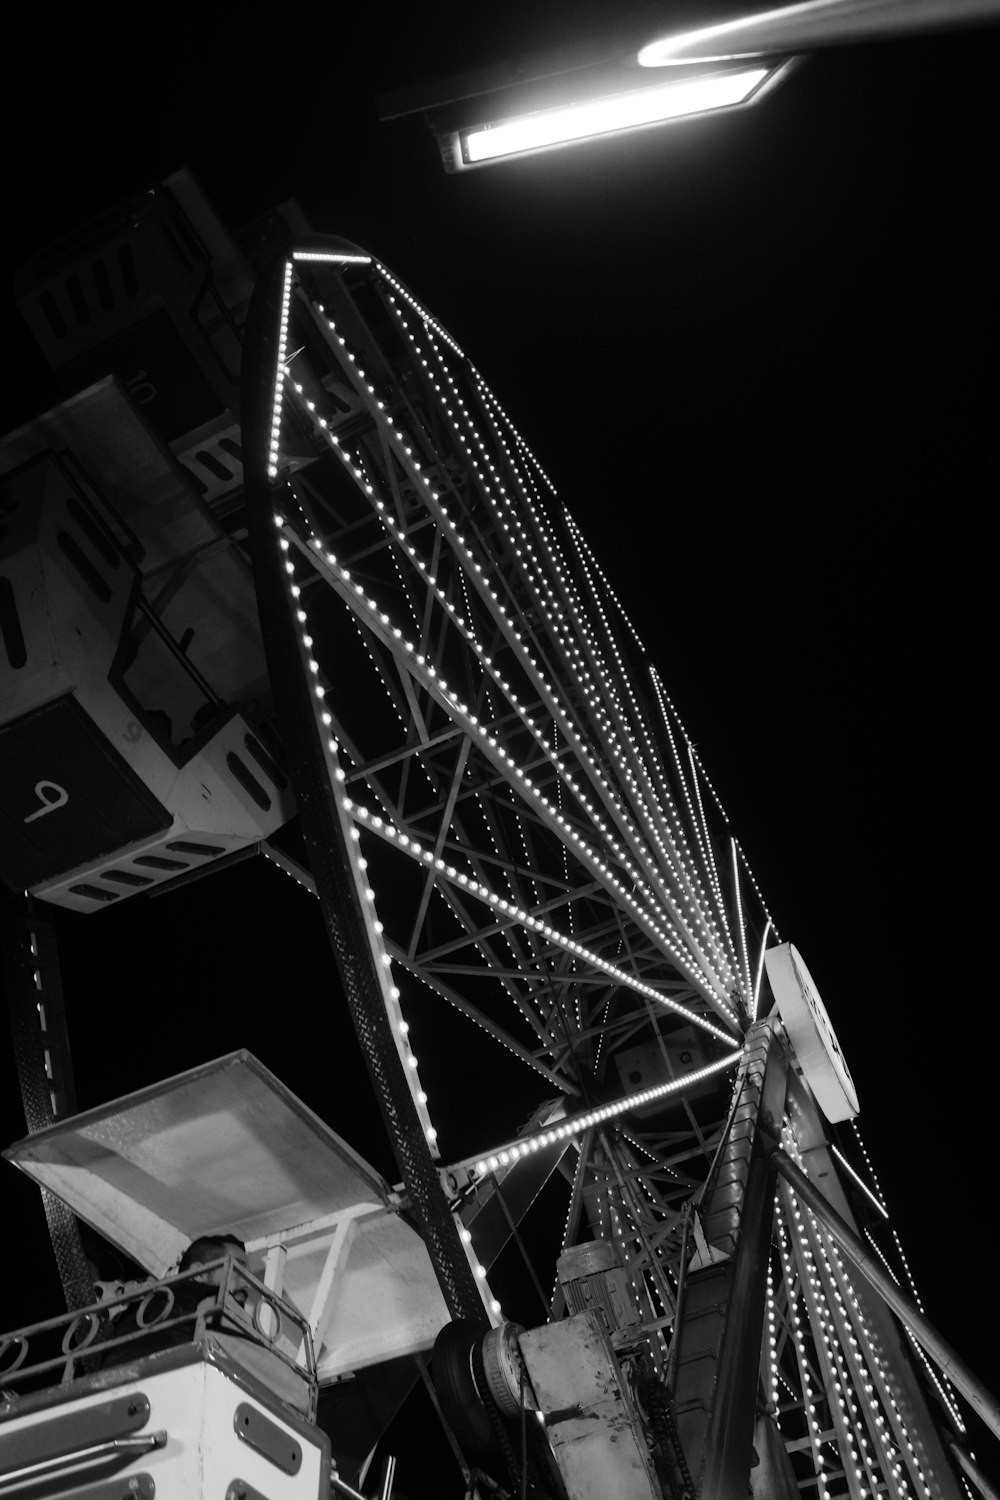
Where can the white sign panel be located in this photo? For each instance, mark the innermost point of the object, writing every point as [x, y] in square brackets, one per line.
[804, 1017]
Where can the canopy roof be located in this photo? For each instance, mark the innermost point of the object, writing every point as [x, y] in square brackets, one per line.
[226, 1148]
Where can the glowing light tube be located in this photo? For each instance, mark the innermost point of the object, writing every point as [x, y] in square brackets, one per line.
[575, 122]
[342, 257]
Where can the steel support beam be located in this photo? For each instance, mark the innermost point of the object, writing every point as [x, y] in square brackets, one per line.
[720, 1330]
[44, 1070]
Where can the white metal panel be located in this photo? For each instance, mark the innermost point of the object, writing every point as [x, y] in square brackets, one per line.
[222, 1148]
[590, 1417]
[384, 1301]
[810, 1032]
[195, 1404]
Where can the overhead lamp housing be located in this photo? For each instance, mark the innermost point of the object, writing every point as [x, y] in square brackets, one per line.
[487, 119]
[611, 114]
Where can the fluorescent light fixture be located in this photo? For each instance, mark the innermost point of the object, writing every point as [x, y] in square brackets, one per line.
[547, 128]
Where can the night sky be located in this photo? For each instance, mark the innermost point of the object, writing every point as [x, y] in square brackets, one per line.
[757, 356]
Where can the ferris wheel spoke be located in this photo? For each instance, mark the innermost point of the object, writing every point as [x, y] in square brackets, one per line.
[521, 982]
[540, 806]
[692, 830]
[712, 866]
[436, 982]
[517, 984]
[633, 726]
[440, 838]
[419, 673]
[574, 1042]
[664, 1186]
[741, 927]
[572, 1226]
[687, 1164]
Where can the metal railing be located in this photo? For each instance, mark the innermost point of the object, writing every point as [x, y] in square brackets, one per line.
[155, 1315]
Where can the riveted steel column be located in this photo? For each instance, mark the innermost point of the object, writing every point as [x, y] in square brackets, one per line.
[44, 1070]
[721, 1327]
[722, 1209]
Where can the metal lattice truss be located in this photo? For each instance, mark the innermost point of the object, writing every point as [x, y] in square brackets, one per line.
[534, 840]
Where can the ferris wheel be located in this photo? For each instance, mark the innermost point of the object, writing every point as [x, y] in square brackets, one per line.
[561, 967]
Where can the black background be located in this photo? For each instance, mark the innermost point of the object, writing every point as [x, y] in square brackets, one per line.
[756, 354]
